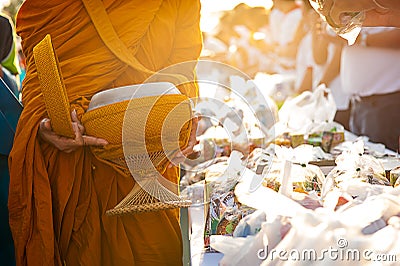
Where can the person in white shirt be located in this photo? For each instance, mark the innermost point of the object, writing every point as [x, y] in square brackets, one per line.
[318, 62]
[370, 72]
[284, 33]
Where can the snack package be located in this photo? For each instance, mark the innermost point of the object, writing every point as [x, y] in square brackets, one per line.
[394, 176]
[289, 140]
[222, 210]
[304, 178]
[326, 139]
[251, 250]
[223, 214]
[353, 170]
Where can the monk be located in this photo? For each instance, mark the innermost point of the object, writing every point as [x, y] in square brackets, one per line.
[58, 191]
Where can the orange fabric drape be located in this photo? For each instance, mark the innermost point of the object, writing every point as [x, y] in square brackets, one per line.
[57, 200]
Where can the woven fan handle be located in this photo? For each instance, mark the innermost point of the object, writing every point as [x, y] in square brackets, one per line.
[53, 88]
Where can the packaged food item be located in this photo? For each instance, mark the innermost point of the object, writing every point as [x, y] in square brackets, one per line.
[338, 137]
[220, 204]
[228, 222]
[283, 140]
[304, 177]
[222, 210]
[223, 214]
[289, 140]
[326, 139]
[394, 176]
[315, 140]
[296, 140]
[330, 139]
[354, 172]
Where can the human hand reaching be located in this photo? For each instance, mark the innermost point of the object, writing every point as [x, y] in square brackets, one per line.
[376, 14]
[183, 154]
[388, 18]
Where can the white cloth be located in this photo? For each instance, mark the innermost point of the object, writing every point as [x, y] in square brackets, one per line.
[342, 99]
[283, 26]
[305, 59]
[366, 71]
[281, 31]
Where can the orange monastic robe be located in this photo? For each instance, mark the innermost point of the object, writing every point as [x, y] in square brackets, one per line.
[57, 200]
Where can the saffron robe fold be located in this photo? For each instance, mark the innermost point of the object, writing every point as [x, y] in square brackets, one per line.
[57, 200]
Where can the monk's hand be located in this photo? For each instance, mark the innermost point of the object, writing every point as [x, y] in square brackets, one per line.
[183, 154]
[68, 144]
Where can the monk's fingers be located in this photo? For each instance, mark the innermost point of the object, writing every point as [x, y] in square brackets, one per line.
[65, 145]
[93, 141]
[195, 120]
[68, 144]
[188, 149]
[45, 131]
[78, 134]
[45, 125]
[80, 127]
[75, 119]
[74, 116]
[62, 143]
[192, 138]
[84, 140]
[182, 155]
[176, 160]
[197, 115]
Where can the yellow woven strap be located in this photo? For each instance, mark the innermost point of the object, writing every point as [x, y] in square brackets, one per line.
[53, 88]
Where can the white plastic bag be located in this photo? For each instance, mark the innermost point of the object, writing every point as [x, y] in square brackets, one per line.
[308, 110]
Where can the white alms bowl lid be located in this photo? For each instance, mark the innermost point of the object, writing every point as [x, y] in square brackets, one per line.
[125, 93]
